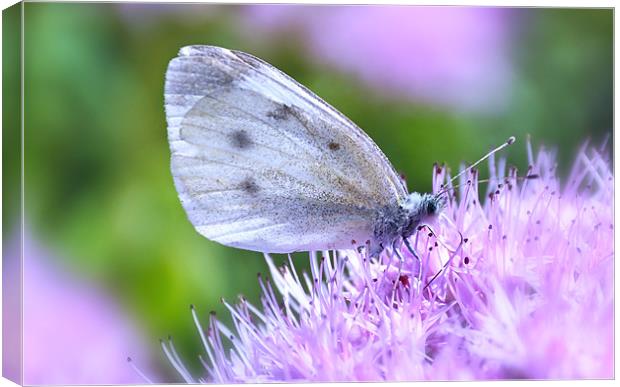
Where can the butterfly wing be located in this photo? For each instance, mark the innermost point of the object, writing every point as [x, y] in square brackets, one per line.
[262, 163]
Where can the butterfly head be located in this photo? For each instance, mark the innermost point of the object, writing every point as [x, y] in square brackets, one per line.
[421, 208]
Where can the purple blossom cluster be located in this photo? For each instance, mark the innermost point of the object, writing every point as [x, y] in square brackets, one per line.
[69, 331]
[435, 55]
[518, 285]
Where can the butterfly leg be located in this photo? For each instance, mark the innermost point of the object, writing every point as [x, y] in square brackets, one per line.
[458, 248]
[401, 260]
[412, 251]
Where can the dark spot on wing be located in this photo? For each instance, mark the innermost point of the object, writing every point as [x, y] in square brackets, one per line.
[333, 146]
[250, 186]
[280, 113]
[241, 139]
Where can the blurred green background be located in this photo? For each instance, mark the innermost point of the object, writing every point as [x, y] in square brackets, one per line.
[99, 193]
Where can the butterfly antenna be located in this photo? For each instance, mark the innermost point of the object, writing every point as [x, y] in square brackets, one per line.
[520, 178]
[508, 142]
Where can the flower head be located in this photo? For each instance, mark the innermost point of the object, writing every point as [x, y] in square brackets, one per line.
[517, 285]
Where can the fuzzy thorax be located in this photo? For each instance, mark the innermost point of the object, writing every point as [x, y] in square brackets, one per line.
[400, 220]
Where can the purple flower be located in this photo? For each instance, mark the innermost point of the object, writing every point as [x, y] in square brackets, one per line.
[432, 54]
[518, 285]
[72, 333]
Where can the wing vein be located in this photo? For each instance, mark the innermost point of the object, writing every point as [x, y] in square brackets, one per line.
[248, 230]
[280, 151]
[278, 130]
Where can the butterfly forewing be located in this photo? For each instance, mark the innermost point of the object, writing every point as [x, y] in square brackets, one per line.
[262, 163]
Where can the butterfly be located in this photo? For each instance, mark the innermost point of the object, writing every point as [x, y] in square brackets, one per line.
[262, 163]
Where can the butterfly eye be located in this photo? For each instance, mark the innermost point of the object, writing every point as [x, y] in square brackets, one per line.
[431, 207]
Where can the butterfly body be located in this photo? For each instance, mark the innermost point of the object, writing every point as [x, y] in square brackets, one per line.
[262, 163]
[399, 221]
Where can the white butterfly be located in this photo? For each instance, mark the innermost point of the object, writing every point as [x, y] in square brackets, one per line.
[262, 163]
